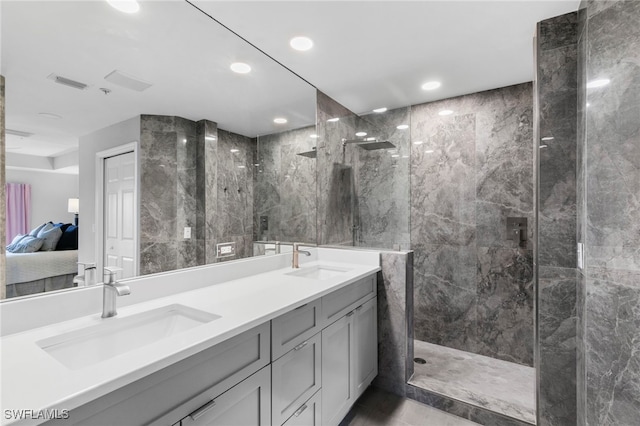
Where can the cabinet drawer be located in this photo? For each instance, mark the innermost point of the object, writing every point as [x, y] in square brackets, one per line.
[247, 403]
[169, 394]
[308, 414]
[293, 328]
[295, 377]
[338, 303]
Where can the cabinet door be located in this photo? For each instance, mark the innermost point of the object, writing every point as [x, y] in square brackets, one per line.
[247, 403]
[296, 376]
[308, 414]
[294, 327]
[366, 343]
[337, 370]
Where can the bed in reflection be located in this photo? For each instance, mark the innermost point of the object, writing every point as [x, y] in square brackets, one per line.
[45, 259]
[30, 273]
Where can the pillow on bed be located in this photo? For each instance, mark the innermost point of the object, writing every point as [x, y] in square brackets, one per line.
[63, 226]
[50, 236]
[28, 244]
[69, 239]
[34, 231]
[14, 242]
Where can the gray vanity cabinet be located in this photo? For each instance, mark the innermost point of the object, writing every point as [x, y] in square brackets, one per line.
[308, 414]
[349, 360]
[295, 377]
[247, 403]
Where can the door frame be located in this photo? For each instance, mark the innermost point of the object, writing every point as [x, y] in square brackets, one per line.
[101, 156]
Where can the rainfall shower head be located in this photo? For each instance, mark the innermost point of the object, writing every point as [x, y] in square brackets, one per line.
[369, 145]
[310, 154]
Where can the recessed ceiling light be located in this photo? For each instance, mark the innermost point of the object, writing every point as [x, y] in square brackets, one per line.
[598, 83]
[184, 141]
[395, 156]
[50, 115]
[543, 146]
[429, 151]
[402, 127]
[445, 112]
[547, 138]
[431, 85]
[234, 150]
[361, 134]
[279, 120]
[241, 167]
[314, 136]
[301, 43]
[333, 120]
[210, 138]
[418, 142]
[257, 164]
[240, 68]
[126, 6]
[379, 110]
[369, 139]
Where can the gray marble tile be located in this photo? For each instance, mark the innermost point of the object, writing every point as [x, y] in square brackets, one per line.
[558, 32]
[581, 367]
[499, 386]
[336, 196]
[557, 345]
[392, 322]
[158, 257]
[461, 409]
[613, 129]
[504, 309]
[445, 296]
[442, 181]
[596, 6]
[612, 347]
[382, 181]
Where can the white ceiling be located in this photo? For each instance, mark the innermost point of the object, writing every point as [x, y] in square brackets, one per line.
[367, 54]
[370, 54]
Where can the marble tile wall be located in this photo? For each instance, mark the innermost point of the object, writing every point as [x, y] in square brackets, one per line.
[395, 357]
[556, 100]
[473, 288]
[382, 181]
[610, 146]
[193, 175]
[233, 221]
[285, 186]
[336, 178]
[3, 278]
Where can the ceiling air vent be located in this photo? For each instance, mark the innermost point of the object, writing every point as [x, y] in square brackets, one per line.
[67, 82]
[127, 81]
[18, 133]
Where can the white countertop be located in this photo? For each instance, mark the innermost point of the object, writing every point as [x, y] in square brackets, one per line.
[34, 380]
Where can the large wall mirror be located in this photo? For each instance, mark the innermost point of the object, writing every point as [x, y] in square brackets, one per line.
[175, 159]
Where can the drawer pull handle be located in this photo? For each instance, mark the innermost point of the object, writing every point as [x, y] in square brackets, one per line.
[301, 345]
[300, 410]
[202, 410]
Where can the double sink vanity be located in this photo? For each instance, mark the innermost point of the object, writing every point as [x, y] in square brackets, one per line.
[253, 342]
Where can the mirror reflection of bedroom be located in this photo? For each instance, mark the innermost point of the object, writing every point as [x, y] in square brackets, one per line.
[41, 227]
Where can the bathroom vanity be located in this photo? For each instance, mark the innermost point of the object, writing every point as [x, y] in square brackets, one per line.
[260, 344]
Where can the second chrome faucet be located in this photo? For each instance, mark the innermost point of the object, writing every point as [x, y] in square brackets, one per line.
[296, 253]
[111, 290]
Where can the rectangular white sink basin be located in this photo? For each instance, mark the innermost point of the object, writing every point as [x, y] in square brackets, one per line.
[318, 272]
[115, 336]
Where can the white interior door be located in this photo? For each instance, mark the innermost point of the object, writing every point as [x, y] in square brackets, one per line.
[120, 212]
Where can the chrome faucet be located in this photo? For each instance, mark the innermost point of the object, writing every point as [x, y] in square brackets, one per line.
[88, 277]
[296, 251]
[110, 290]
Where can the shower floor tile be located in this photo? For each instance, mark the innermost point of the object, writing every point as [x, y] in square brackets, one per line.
[500, 386]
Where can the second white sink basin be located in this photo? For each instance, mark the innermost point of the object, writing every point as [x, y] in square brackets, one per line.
[318, 272]
[115, 336]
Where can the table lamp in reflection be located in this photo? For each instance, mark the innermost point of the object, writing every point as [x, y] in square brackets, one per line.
[74, 207]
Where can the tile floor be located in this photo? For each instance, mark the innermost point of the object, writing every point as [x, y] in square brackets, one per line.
[500, 386]
[377, 408]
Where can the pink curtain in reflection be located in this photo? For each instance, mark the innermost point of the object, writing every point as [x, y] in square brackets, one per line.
[18, 209]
